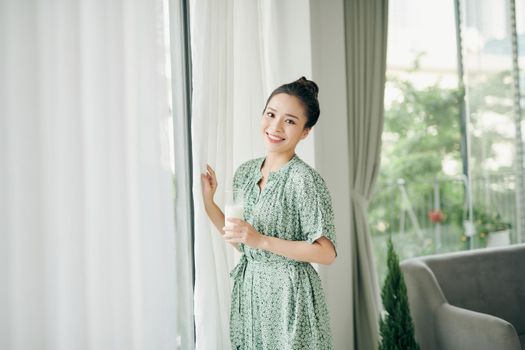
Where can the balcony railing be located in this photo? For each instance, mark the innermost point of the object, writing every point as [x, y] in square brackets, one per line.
[400, 208]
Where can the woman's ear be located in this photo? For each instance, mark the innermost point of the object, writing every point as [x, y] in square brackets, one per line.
[306, 131]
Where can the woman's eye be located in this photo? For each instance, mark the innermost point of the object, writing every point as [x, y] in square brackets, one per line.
[269, 114]
[289, 121]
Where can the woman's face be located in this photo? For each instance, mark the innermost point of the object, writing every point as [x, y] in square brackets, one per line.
[283, 124]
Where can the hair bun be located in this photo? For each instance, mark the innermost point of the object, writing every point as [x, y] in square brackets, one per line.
[306, 91]
[309, 85]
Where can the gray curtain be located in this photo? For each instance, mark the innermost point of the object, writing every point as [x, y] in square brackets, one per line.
[366, 37]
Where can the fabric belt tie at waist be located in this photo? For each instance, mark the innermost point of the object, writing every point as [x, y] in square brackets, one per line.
[238, 270]
[238, 274]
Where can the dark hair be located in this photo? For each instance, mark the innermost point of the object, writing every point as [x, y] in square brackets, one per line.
[306, 91]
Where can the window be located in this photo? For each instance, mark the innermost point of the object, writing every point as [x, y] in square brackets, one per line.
[179, 73]
[441, 141]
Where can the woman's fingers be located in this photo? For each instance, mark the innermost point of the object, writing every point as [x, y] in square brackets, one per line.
[208, 178]
[232, 237]
[205, 179]
[229, 228]
[211, 172]
[232, 224]
[229, 234]
[235, 228]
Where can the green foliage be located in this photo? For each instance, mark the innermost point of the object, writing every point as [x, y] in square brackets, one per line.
[485, 221]
[491, 92]
[424, 127]
[421, 128]
[396, 328]
[491, 222]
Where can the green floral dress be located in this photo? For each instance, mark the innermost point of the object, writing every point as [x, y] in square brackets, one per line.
[277, 302]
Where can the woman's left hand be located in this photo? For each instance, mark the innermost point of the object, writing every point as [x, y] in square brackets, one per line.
[239, 231]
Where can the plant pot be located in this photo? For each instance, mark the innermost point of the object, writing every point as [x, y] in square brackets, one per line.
[498, 238]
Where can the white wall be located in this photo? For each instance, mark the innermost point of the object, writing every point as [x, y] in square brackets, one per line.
[331, 155]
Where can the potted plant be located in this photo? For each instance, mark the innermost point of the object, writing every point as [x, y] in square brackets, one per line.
[455, 214]
[492, 228]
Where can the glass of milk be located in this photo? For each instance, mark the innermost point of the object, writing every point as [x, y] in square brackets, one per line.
[234, 204]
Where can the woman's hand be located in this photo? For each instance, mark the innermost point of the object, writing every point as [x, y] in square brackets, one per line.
[208, 185]
[239, 231]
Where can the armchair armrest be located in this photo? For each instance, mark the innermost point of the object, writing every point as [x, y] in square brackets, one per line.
[424, 296]
[458, 328]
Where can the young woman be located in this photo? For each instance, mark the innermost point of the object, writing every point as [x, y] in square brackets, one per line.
[277, 298]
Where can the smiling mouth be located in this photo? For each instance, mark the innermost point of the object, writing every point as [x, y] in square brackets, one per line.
[274, 139]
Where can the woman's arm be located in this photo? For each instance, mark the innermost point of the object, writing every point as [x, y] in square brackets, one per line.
[322, 251]
[209, 186]
[217, 218]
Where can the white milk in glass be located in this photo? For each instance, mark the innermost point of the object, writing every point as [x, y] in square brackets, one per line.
[234, 211]
[234, 208]
[233, 205]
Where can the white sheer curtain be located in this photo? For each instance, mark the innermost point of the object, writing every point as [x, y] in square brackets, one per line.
[241, 51]
[86, 202]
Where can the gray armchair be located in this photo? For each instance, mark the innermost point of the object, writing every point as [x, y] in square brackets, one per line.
[468, 300]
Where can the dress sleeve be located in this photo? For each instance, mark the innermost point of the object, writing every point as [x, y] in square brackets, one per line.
[316, 215]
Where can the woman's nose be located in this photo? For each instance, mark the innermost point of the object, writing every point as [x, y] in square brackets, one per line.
[276, 124]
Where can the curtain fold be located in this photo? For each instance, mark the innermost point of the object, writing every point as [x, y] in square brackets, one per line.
[366, 38]
[211, 106]
[86, 230]
[238, 57]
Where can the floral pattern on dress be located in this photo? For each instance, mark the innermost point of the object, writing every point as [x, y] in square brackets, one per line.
[277, 302]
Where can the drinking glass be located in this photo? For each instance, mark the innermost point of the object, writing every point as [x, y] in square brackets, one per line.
[234, 204]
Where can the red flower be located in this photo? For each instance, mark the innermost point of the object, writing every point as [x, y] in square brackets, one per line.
[436, 216]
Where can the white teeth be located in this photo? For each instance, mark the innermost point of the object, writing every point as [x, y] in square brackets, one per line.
[274, 137]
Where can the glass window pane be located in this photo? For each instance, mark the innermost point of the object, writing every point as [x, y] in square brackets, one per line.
[421, 137]
[422, 165]
[490, 113]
